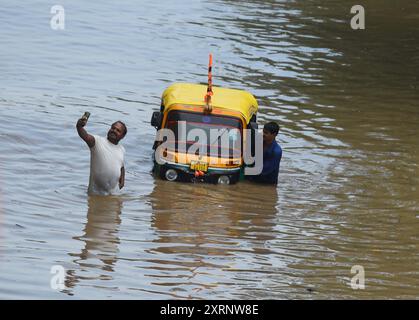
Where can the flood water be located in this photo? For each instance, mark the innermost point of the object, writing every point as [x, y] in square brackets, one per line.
[348, 193]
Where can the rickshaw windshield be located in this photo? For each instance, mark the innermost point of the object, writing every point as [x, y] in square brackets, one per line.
[215, 135]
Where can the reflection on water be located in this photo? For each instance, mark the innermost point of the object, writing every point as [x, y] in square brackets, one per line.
[97, 259]
[210, 213]
[209, 228]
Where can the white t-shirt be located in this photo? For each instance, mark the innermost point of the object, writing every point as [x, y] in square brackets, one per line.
[106, 161]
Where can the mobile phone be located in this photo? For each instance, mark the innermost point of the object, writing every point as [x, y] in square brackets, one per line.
[86, 116]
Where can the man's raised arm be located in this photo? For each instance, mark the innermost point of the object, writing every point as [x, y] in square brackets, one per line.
[88, 138]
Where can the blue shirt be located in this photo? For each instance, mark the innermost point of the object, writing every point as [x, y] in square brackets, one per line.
[271, 160]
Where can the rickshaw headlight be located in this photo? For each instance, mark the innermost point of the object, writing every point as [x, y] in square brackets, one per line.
[171, 175]
[224, 180]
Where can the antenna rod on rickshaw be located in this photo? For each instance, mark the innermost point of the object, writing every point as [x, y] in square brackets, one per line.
[209, 88]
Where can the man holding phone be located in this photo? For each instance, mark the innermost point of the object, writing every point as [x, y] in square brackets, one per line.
[107, 172]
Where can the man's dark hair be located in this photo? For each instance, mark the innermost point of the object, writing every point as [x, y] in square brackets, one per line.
[125, 127]
[272, 127]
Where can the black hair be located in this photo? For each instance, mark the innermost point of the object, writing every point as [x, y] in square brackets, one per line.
[123, 124]
[272, 127]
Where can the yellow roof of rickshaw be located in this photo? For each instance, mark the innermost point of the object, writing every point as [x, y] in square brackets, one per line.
[193, 94]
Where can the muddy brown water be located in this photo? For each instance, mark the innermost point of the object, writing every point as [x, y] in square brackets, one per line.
[348, 192]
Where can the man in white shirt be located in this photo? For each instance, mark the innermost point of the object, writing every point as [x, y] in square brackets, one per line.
[107, 172]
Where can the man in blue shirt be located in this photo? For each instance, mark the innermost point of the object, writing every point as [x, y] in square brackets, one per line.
[272, 154]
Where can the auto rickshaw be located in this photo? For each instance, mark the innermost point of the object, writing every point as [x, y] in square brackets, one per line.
[186, 107]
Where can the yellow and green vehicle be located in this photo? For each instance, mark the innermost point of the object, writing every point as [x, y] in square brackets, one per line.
[184, 108]
[203, 132]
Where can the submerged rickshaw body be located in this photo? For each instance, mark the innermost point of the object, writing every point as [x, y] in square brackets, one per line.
[185, 112]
